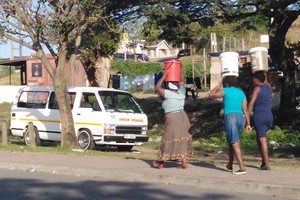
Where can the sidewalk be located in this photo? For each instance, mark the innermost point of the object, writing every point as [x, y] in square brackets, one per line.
[283, 183]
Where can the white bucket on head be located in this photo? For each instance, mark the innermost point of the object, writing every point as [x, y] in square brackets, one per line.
[229, 64]
[259, 59]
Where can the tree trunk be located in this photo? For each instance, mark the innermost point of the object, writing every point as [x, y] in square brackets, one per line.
[283, 57]
[102, 71]
[68, 137]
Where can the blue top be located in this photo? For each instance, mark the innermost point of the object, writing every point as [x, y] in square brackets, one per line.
[262, 103]
[233, 100]
[174, 101]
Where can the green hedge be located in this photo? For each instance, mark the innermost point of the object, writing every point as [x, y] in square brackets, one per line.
[131, 68]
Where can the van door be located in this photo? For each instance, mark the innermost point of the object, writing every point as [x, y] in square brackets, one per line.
[87, 114]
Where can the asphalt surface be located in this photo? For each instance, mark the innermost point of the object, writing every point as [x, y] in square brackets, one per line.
[277, 182]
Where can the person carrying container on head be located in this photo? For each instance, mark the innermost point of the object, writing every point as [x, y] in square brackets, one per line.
[235, 116]
[176, 142]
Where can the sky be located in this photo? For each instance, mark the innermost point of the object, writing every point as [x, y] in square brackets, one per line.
[5, 50]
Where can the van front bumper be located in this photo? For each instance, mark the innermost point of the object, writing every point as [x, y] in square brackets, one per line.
[122, 139]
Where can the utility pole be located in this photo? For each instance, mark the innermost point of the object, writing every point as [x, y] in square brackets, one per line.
[20, 38]
[213, 41]
[11, 48]
[204, 66]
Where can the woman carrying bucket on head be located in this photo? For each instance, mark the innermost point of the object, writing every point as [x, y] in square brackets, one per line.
[235, 116]
[260, 102]
[176, 142]
[235, 109]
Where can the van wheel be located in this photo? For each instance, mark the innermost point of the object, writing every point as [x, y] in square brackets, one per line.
[124, 148]
[85, 140]
[26, 137]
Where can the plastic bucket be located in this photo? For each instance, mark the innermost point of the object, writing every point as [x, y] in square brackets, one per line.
[229, 64]
[174, 69]
[259, 59]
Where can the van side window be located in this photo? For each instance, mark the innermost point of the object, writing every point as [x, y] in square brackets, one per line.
[53, 102]
[89, 100]
[33, 99]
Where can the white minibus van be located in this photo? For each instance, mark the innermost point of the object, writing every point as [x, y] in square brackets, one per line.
[102, 116]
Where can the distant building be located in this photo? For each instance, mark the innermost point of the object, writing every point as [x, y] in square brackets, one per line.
[159, 49]
[33, 72]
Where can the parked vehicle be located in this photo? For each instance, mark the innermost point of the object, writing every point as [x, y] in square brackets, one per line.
[121, 56]
[140, 57]
[101, 117]
[184, 52]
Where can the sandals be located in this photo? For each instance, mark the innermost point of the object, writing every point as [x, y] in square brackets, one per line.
[229, 169]
[182, 166]
[158, 164]
[240, 172]
[264, 168]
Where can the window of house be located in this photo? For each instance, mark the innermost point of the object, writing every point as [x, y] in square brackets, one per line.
[36, 69]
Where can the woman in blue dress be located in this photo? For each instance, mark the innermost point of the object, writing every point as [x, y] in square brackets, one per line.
[262, 115]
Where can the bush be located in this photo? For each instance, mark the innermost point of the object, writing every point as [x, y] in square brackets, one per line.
[276, 135]
[293, 138]
[131, 68]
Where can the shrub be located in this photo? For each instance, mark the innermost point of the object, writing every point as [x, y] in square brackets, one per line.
[276, 135]
[131, 68]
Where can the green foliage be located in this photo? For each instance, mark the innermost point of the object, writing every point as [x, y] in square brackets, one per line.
[154, 112]
[293, 138]
[276, 135]
[190, 62]
[100, 39]
[155, 133]
[131, 68]
[248, 139]
[150, 31]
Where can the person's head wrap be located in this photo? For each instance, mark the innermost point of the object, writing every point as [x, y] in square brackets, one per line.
[173, 85]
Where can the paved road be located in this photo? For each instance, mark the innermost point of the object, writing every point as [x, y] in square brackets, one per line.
[279, 183]
[40, 185]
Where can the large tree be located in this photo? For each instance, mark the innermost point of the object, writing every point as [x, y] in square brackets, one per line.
[174, 18]
[55, 27]
[100, 41]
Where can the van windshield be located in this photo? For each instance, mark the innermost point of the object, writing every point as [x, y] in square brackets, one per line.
[115, 101]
